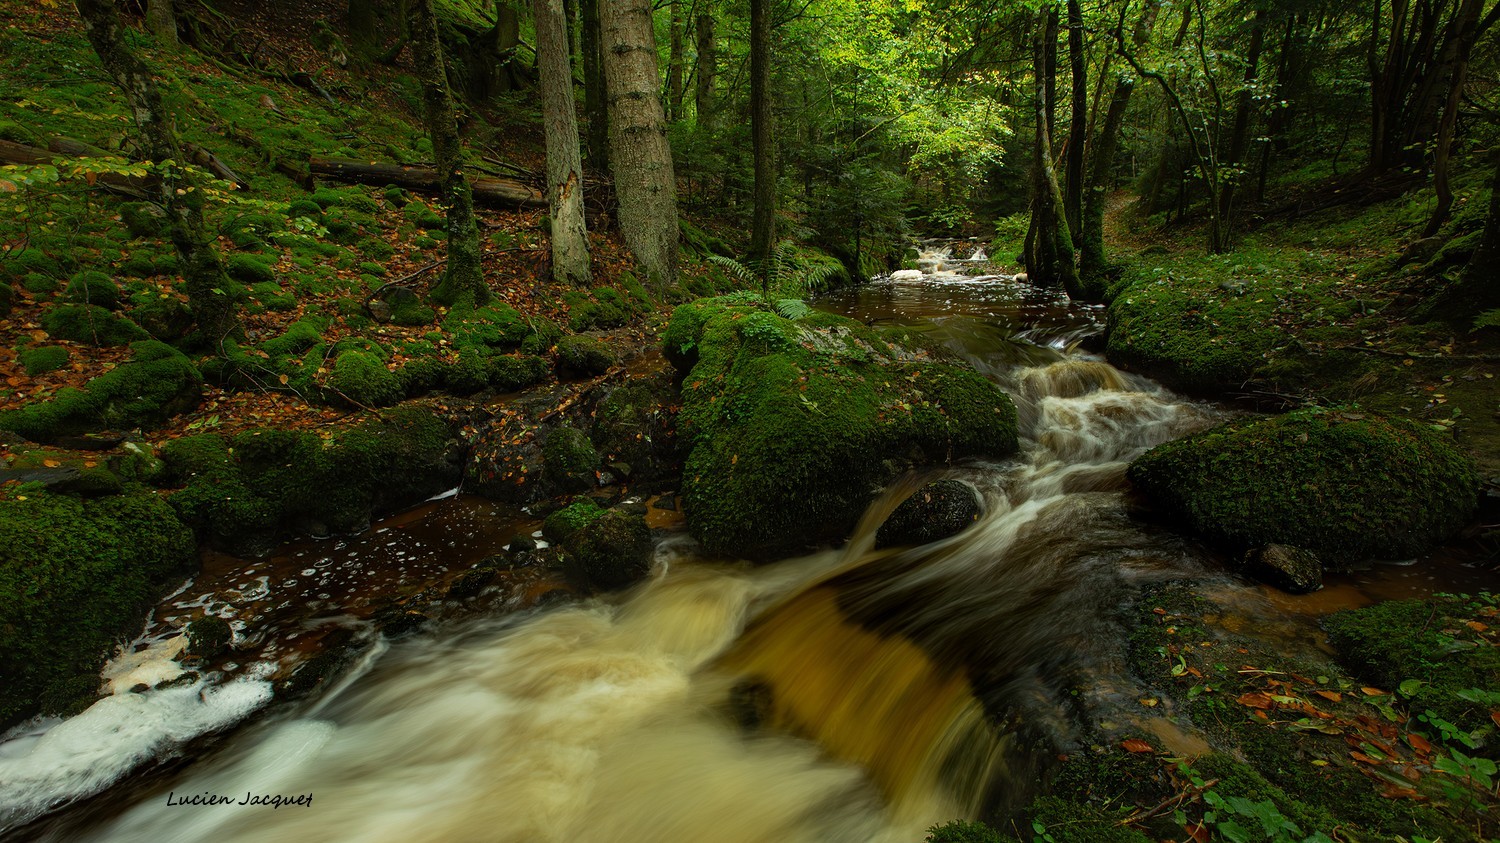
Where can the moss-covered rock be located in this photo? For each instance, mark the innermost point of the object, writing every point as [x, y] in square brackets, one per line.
[935, 511]
[42, 359]
[794, 425]
[609, 553]
[566, 521]
[583, 357]
[360, 377]
[1345, 485]
[166, 319]
[408, 309]
[250, 269]
[209, 637]
[157, 384]
[510, 372]
[143, 219]
[635, 428]
[91, 287]
[569, 459]
[90, 323]
[75, 577]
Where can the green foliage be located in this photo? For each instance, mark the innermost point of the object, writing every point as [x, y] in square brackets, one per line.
[509, 373]
[75, 577]
[963, 831]
[789, 271]
[250, 269]
[90, 287]
[1345, 485]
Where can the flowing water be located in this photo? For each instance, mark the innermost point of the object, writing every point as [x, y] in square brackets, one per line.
[848, 695]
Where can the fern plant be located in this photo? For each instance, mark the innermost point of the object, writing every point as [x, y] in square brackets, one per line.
[786, 270]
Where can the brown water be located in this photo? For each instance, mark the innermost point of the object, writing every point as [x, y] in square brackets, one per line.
[847, 695]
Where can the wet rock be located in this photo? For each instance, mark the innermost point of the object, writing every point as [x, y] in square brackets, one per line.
[180, 680]
[1291, 569]
[935, 511]
[609, 553]
[569, 459]
[634, 429]
[91, 441]
[584, 357]
[208, 637]
[750, 704]
[1421, 251]
[570, 519]
[521, 544]
[473, 581]
[340, 648]
[399, 621]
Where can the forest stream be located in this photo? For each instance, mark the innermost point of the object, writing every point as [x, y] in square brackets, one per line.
[853, 694]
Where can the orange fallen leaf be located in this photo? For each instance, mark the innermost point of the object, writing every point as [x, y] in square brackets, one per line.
[1255, 700]
[1422, 745]
[1331, 696]
[1495, 716]
[1360, 756]
[1374, 692]
[1136, 745]
[51, 463]
[1477, 626]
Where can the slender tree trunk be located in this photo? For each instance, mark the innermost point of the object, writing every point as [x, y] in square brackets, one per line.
[639, 154]
[570, 18]
[463, 279]
[210, 292]
[570, 244]
[675, 64]
[1078, 127]
[1093, 264]
[595, 93]
[1239, 138]
[707, 71]
[161, 19]
[1468, 31]
[1054, 245]
[763, 228]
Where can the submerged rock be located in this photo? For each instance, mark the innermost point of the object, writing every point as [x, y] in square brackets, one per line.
[1345, 485]
[935, 511]
[1290, 569]
[794, 424]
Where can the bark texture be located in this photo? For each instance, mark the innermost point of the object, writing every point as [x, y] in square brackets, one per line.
[638, 151]
[463, 280]
[1052, 254]
[161, 19]
[595, 93]
[570, 244]
[1078, 131]
[763, 226]
[209, 290]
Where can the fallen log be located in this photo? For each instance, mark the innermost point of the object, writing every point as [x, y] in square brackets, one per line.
[18, 153]
[491, 191]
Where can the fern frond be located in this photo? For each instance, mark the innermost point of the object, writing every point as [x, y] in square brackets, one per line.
[792, 309]
[737, 269]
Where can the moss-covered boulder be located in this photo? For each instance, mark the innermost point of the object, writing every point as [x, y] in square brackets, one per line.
[570, 519]
[1345, 485]
[635, 428]
[41, 359]
[608, 553]
[935, 511]
[569, 459]
[76, 576]
[157, 384]
[361, 378]
[90, 323]
[92, 287]
[584, 357]
[794, 425]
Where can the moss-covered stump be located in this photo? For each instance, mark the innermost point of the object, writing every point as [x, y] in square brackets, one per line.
[1439, 654]
[243, 494]
[1345, 485]
[793, 425]
[75, 577]
[610, 552]
[158, 384]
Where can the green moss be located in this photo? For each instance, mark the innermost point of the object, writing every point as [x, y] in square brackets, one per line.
[409, 309]
[360, 377]
[605, 311]
[273, 297]
[963, 831]
[422, 216]
[571, 518]
[421, 375]
[608, 553]
[376, 250]
[1070, 822]
[144, 219]
[90, 287]
[570, 459]
[497, 325]
[544, 335]
[42, 359]
[88, 323]
[584, 356]
[794, 425]
[75, 577]
[299, 337]
[469, 374]
[159, 383]
[304, 208]
[250, 269]
[39, 284]
[509, 373]
[1345, 485]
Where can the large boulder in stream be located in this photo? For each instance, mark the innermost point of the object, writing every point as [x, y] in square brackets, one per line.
[794, 425]
[935, 511]
[1345, 485]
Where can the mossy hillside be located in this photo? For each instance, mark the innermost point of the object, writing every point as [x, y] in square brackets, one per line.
[1440, 654]
[793, 425]
[157, 384]
[243, 493]
[1346, 485]
[76, 576]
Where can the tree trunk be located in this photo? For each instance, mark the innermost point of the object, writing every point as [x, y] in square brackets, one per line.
[1093, 264]
[1477, 289]
[208, 288]
[570, 244]
[674, 64]
[706, 73]
[161, 20]
[463, 279]
[639, 154]
[595, 95]
[1078, 131]
[489, 191]
[763, 227]
[1053, 262]
[1239, 138]
[1469, 25]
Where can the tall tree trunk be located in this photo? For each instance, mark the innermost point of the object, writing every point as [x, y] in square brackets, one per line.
[1469, 25]
[161, 19]
[1239, 137]
[463, 279]
[674, 64]
[1078, 129]
[763, 227]
[1054, 246]
[595, 93]
[1093, 264]
[639, 154]
[208, 289]
[1477, 289]
[570, 244]
[707, 71]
